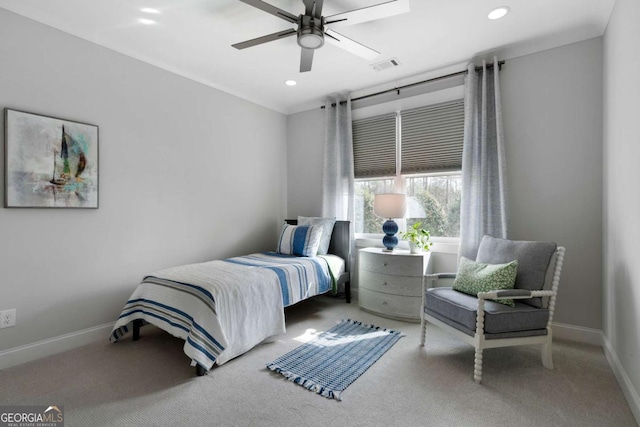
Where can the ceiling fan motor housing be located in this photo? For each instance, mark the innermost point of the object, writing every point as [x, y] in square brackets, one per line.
[310, 32]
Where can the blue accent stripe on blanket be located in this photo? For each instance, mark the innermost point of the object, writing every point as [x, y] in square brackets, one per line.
[197, 291]
[291, 270]
[182, 317]
[333, 360]
[282, 277]
[198, 337]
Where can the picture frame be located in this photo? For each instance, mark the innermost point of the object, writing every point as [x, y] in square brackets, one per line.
[49, 162]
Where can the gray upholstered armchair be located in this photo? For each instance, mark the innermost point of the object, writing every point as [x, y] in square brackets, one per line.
[484, 322]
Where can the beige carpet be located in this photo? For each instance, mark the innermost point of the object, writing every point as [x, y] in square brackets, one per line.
[150, 383]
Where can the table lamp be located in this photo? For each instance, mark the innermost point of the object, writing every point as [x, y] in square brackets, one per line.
[390, 206]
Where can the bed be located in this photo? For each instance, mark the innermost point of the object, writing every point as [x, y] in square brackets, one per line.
[223, 308]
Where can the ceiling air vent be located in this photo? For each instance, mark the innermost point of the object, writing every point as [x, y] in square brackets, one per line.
[389, 63]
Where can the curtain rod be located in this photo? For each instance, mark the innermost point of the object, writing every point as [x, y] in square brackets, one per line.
[398, 89]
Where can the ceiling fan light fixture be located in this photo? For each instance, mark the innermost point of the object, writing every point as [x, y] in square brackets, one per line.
[310, 32]
[498, 12]
[310, 41]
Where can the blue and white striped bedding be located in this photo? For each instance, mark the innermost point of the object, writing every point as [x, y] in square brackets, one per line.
[224, 308]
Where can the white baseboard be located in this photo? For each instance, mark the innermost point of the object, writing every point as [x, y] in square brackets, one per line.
[596, 337]
[630, 393]
[37, 350]
[577, 333]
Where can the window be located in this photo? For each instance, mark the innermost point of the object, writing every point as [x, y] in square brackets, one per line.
[417, 152]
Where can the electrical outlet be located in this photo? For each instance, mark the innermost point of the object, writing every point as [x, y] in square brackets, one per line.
[8, 318]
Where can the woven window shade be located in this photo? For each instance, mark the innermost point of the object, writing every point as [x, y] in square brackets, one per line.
[432, 138]
[374, 146]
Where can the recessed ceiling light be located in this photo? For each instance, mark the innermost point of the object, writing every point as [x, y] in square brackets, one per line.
[149, 10]
[146, 21]
[291, 82]
[498, 12]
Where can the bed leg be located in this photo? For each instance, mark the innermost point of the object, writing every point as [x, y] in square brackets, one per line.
[136, 329]
[200, 371]
[347, 292]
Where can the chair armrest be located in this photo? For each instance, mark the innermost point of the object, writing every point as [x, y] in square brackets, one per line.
[436, 276]
[514, 294]
[427, 282]
[506, 293]
[428, 279]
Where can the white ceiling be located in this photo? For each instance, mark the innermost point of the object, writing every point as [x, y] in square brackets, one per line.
[193, 38]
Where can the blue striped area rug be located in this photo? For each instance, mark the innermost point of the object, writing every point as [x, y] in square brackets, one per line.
[333, 360]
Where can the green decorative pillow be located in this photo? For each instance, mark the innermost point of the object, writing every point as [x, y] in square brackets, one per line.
[474, 277]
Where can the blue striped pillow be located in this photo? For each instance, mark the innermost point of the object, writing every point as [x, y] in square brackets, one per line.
[299, 240]
[327, 229]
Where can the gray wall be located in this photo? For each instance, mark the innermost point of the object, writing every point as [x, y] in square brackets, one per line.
[552, 106]
[187, 174]
[552, 109]
[305, 135]
[622, 199]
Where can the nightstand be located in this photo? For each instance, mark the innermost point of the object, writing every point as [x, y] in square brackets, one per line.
[390, 283]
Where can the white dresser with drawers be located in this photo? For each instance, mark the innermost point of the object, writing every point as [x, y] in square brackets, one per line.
[390, 283]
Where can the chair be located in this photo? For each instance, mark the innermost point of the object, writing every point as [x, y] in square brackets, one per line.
[484, 323]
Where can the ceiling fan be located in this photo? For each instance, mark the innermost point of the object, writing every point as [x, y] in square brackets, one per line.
[312, 29]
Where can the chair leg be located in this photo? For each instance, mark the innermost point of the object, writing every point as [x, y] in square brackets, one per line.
[423, 332]
[477, 368]
[547, 359]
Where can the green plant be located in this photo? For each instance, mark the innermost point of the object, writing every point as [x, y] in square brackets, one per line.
[436, 218]
[418, 236]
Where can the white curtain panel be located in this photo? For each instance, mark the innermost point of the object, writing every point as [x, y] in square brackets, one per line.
[337, 172]
[483, 208]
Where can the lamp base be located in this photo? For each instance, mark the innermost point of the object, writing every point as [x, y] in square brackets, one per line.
[390, 241]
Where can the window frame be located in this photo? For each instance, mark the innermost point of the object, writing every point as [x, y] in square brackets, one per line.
[399, 186]
[399, 179]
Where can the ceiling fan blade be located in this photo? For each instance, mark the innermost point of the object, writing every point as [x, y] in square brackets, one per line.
[306, 59]
[318, 13]
[350, 45]
[309, 10]
[272, 10]
[382, 10]
[265, 39]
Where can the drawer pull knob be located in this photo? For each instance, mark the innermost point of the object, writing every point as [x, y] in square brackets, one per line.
[384, 303]
[385, 283]
[385, 264]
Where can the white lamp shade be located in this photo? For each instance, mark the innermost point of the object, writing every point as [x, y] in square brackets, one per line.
[390, 205]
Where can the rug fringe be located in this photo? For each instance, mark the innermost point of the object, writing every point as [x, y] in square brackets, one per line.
[309, 385]
[371, 326]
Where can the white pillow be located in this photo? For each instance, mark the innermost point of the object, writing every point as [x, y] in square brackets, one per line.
[299, 240]
[327, 229]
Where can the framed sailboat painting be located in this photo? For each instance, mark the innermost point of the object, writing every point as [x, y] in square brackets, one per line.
[49, 162]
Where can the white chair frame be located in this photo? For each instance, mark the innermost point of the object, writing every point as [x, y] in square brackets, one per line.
[478, 339]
